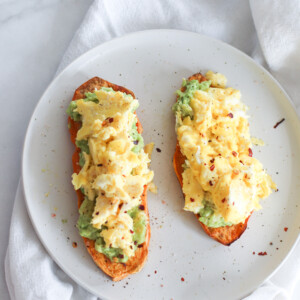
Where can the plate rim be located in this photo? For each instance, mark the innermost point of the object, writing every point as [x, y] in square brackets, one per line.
[88, 53]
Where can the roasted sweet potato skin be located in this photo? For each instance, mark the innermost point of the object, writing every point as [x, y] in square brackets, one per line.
[226, 234]
[115, 270]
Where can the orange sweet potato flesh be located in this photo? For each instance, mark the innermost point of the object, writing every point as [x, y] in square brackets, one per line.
[115, 270]
[226, 234]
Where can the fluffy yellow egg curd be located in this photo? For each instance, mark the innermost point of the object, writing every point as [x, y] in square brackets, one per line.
[222, 181]
[114, 173]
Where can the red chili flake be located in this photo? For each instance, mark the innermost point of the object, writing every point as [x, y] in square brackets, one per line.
[74, 244]
[131, 231]
[262, 253]
[210, 183]
[110, 120]
[192, 200]
[182, 279]
[125, 212]
[253, 252]
[234, 153]
[122, 237]
[140, 245]
[121, 256]
[212, 160]
[155, 272]
[53, 215]
[241, 162]
[142, 207]
[212, 167]
[223, 200]
[271, 244]
[230, 115]
[278, 123]
[158, 150]
[285, 229]
[250, 152]
[97, 213]
[223, 278]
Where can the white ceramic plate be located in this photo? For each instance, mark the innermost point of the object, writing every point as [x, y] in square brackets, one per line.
[152, 64]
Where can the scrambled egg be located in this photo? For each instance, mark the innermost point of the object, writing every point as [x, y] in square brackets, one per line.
[219, 167]
[112, 173]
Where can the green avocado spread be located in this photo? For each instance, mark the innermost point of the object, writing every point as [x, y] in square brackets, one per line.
[182, 104]
[86, 229]
[210, 218]
[137, 139]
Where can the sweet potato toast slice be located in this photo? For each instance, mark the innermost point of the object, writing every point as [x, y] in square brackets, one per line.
[115, 270]
[226, 234]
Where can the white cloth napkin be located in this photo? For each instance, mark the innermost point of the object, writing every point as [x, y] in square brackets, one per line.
[267, 30]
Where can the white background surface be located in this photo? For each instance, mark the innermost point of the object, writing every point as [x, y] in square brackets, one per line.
[34, 36]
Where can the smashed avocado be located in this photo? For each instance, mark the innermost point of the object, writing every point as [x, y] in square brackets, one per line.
[209, 218]
[71, 110]
[110, 252]
[137, 139]
[139, 225]
[86, 229]
[184, 98]
[84, 147]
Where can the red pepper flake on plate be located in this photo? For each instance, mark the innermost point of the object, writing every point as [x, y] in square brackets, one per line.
[53, 215]
[74, 245]
[182, 279]
[262, 253]
[212, 167]
[278, 123]
[286, 229]
[230, 115]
